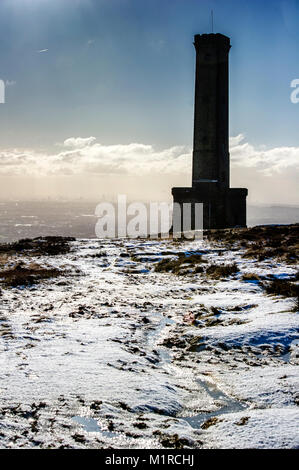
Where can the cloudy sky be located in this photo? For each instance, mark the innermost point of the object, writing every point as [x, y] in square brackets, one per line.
[99, 96]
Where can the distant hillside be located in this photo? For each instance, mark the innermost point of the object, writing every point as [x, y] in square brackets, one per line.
[260, 215]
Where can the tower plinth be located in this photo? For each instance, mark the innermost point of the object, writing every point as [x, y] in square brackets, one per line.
[223, 207]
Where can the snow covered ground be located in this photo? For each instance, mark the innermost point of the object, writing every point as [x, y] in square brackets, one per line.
[113, 354]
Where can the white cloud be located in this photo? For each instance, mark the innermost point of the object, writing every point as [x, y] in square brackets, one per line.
[269, 162]
[79, 142]
[233, 141]
[85, 156]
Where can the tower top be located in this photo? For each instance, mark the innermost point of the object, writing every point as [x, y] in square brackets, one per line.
[211, 40]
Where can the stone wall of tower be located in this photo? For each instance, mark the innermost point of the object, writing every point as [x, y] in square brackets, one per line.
[211, 145]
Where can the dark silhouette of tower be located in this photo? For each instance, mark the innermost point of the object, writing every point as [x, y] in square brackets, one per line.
[223, 207]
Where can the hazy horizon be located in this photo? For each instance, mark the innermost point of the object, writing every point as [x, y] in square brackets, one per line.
[30, 219]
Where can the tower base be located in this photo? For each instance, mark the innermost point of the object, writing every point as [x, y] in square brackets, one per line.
[222, 207]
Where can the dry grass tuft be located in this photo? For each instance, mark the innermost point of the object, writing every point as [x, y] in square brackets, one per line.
[261, 242]
[283, 287]
[176, 266]
[26, 276]
[217, 271]
[41, 246]
[251, 277]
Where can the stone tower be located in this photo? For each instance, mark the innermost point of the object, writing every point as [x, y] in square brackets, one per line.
[223, 207]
